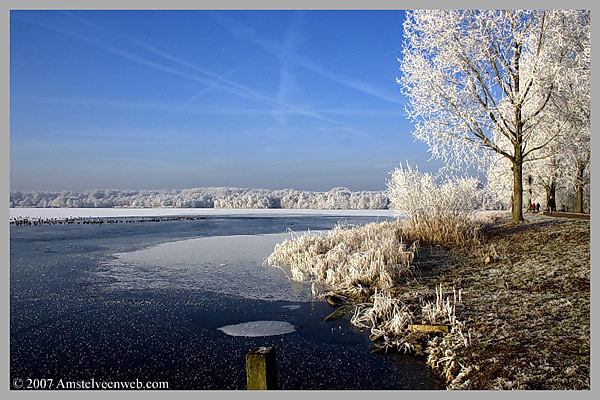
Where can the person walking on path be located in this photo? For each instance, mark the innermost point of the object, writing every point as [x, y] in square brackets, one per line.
[552, 204]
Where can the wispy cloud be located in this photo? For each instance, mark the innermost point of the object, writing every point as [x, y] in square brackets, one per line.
[195, 109]
[290, 42]
[212, 86]
[228, 86]
[398, 113]
[233, 87]
[216, 79]
[248, 34]
[140, 105]
[206, 77]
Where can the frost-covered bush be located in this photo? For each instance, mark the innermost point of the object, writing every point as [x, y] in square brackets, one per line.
[439, 212]
[418, 196]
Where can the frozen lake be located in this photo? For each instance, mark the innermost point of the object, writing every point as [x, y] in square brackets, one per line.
[183, 302]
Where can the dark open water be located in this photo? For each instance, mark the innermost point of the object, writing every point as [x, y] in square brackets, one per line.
[71, 320]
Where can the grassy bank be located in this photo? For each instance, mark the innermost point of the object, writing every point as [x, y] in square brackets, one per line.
[528, 306]
[515, 299]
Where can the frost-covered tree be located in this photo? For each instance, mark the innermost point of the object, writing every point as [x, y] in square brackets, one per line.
[482, 80]
[421, 195]
[579, 168]
[562, 164]
[575, 147]
[565, 161]
[574, 102]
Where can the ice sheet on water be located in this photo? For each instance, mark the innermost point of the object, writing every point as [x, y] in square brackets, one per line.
[231, 265]
[258, 328]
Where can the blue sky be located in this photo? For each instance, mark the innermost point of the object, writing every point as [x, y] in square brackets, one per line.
[181, 99]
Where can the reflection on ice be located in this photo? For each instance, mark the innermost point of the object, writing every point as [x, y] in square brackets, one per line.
[231, 265]
[258, 328]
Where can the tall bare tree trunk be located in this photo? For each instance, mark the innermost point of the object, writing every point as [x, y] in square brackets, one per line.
[517, 203]
[579, 185]
[517, 211]
[550, 191]
[579, 200]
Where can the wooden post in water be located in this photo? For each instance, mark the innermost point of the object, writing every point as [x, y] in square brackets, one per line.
[261, 372]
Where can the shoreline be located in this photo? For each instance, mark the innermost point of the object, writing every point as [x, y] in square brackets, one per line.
[524, 311]
[33, 212]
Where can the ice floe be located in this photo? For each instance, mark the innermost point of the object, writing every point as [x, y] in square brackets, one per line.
[258, 328]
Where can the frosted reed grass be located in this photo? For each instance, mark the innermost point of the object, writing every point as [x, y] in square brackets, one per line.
[373, 255]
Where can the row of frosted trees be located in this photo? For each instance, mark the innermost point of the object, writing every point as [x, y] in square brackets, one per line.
[337, 198]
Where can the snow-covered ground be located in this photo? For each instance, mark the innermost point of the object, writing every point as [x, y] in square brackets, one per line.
[155, 212]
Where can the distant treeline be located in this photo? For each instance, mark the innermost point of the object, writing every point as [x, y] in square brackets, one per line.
[224, 197]
[219, 197]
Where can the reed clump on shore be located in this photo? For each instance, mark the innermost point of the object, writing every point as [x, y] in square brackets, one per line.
[372, 256]
[376, 255]
[515, 299]
[363, 264]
